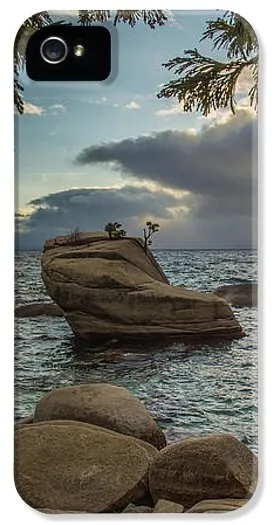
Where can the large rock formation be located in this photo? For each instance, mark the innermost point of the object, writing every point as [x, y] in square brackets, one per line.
[113, 289]
[71, 466]
[101, 404]
[209, 467]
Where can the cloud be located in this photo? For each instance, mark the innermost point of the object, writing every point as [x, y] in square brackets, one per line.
[90, 209]
[31, 109]
[215, 166]
[245, 81]
[57, 109]
[60, 107]
[199, 187]
[174, 109]
[132, 105]
[217, 162]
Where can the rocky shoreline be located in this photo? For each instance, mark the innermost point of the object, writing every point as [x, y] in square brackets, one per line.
[96, 449]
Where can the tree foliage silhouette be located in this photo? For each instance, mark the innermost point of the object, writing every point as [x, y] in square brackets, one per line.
[115, 230]
[202, 84]
[148, 232]
[205, 84]
[152, 18]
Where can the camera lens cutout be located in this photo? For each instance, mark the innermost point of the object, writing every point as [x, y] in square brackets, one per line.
[69, 53]
[54, 50]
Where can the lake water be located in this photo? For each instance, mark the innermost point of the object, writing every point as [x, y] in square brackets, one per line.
[190, 389]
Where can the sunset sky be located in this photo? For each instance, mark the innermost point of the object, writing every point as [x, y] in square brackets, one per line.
[90, 153]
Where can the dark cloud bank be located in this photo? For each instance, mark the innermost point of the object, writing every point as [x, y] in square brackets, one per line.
[216, 166]
[90, 209]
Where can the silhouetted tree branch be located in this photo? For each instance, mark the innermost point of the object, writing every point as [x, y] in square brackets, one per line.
[152, 18]
[115, 230]
[205, 84]
[148, 232]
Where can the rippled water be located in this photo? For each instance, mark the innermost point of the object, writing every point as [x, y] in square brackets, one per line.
[191, 389]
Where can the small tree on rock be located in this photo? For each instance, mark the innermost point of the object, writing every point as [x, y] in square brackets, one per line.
[115, 230]
[148, 232]
[74, 236]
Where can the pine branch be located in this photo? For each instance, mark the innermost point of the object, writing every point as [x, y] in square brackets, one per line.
[86, 18]
[18, 90]
[153, 18]
[131, 17]
[206, 84]
[234, 35]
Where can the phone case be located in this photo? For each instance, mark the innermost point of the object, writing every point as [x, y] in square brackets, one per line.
[136, 270]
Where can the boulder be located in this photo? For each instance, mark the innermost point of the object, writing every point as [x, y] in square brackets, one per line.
[209, 467]
[69, 466]
[113, 289]
[239, 294]
[167, 507]
[137, 508]
[36, 309]
[104, 405]
[58, 511]
[214, 506]
[23, 421]
[152, 451]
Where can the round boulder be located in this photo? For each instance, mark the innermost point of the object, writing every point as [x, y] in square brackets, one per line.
[214, 506]
[21, 422]
[164, 506]
[152, 451]
[210, 467]
[103, 405]
[69, 466]
[138, 509]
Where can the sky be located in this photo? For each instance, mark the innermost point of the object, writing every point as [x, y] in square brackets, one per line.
[92, 153]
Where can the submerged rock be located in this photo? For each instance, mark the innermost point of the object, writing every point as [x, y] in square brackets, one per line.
[196, 469]
[137, 508]
[36, 309]
[214, 506]
[239, 294]
[167, 507]
[69, 466]
[104, 405]
[112, 289]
